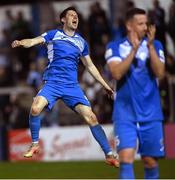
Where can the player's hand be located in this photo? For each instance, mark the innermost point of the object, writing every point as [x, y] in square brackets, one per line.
[134, 40]
[16, 43]
[110, 93]
[151, 34]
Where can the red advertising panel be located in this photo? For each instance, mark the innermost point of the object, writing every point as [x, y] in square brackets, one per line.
[19, 142]
[170, 140]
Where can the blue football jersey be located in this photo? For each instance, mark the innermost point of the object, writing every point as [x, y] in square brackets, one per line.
[137, 93]
[63, 54]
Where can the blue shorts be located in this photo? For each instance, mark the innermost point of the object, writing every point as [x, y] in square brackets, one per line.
[71, 95]
[149, 135]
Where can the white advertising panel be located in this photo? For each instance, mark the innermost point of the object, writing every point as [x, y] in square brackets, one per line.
[60, 143]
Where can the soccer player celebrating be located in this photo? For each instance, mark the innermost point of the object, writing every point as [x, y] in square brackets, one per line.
[135, 62]
[65, 48]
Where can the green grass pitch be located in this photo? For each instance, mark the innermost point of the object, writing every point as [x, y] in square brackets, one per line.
[75, 170]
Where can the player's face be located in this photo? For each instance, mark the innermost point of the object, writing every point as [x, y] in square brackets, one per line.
[139, 25]
[71, 20]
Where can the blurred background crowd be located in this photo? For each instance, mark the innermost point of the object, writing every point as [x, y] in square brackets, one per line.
[21, 69]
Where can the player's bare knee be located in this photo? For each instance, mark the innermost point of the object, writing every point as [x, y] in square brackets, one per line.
[35, 110]
[149, 162]
[126, 157]
[91, 119]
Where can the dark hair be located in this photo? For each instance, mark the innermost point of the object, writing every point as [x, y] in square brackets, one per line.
[64, 12]
[132, 12]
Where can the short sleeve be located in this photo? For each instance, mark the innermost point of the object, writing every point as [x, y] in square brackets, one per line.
[112, 52]
[85, 51]
[48, 36]
[159, 49]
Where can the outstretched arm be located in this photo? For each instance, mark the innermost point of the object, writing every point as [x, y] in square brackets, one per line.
[27, 43]
[87, 61]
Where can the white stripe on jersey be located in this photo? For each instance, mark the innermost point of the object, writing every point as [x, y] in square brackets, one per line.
[77, 40]
[115, 58]
[50, 52]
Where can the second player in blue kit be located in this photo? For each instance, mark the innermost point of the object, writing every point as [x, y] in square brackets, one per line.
[135, 62]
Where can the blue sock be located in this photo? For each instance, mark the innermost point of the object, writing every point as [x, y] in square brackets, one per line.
[34, 123]
[101, 138]
[152, 173]
[126, 171]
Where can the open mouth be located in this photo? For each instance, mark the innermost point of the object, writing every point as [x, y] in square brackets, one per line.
[74, 22]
